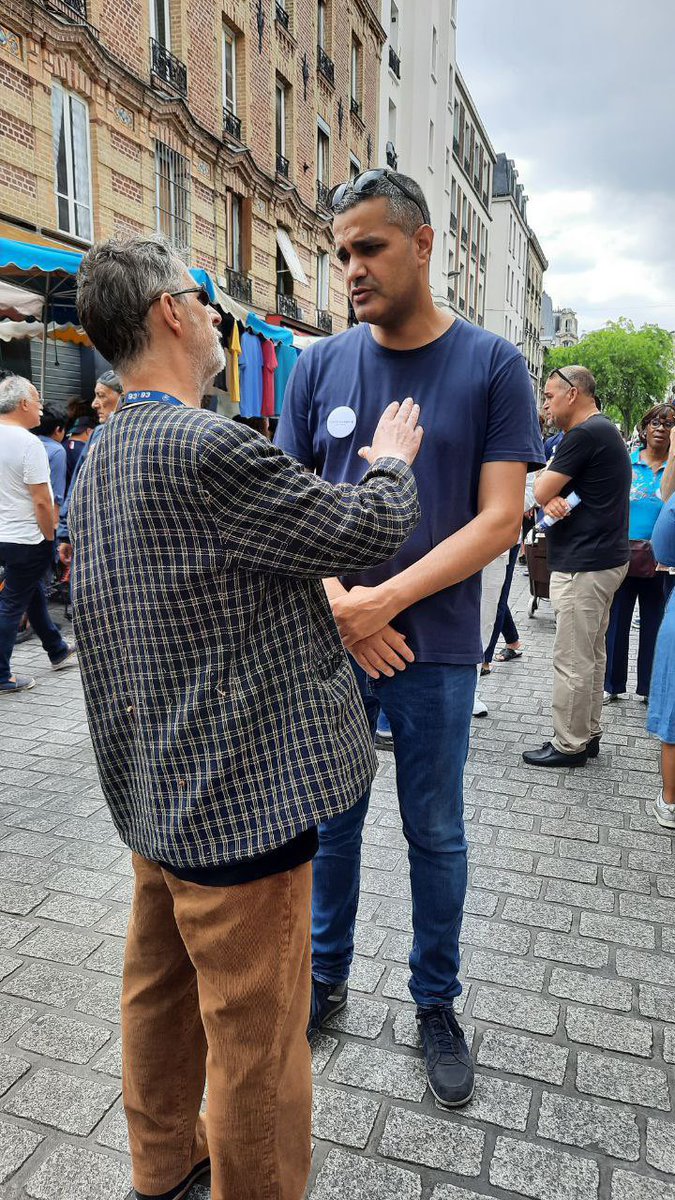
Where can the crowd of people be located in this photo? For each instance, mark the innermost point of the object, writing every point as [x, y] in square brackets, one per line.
[266, 605]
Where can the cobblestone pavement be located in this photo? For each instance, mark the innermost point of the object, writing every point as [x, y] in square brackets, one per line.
[568, 967]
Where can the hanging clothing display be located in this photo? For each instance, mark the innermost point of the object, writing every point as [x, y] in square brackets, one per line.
[287, 356]
[233, 363]
[251, 375]
[269, 369]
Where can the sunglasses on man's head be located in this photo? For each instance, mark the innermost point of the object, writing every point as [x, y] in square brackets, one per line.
[568, 381]
[365, 183]
[200, 292]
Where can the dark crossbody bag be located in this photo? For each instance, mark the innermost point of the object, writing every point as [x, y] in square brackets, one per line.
[642, 562]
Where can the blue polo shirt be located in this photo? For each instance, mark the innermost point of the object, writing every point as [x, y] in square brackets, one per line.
[477, 406]
[645, 498]
[56, 454]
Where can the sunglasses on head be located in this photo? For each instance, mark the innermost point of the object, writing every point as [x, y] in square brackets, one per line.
[568, 381]
[365, 183]
[200, 292]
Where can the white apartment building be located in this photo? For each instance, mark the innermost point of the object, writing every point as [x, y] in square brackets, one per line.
[533, 348]
[430, 130]
[507, 276]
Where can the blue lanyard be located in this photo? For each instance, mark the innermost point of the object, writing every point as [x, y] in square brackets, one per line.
[151, 398]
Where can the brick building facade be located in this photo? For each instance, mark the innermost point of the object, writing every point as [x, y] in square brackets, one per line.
[223, 126]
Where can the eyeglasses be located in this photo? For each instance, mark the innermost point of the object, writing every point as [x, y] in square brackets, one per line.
[568, 381]
[200, 292]
[365, 183]
[662, 422]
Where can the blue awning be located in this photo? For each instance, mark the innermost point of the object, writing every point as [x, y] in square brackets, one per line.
[28, 259]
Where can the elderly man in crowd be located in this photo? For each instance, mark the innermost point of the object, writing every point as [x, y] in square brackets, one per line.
[26, 531]
[226, 723]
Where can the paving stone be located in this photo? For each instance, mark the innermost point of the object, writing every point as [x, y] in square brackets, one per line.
[16, 1146]
[343, 1117]
[627, 1186]
[531, 912]
[11, 1070]
[661, 1145]
[660, 865]
[34, 845]
[393, 915]
[578, 951]
[80, 882]
[506, 881]
[13, 931]
[364, 976]
[72, 910]
[102, 1000]
[542, 1173]
[507, 820]
[480, 904]
[62, 1038]
[115, 922]
[110, 958]
[609, 1031]
[50, 985]
[499, 1102]
[432, 1142]
[115, 1135]
[12, 1017]
[656, 844]
[515, 840]
[514, 972]
[71, 1174]
[580, 895]
[345, 1176]
[589, 1126]
[20, 898]
[607, 856]
[617, 929]
[509, 860]
[523, 1056]
[575, 872]
[60, 945]
[669, 1045]
[591, 989]
[656, 1002]
[628, 1081]
[322, 1051]
[383, 1071]
[517, 1010]
[81, 854]
[110, 1062]
[647, 909]
[62, 1101]
[368, 939]
[124, 892]
[397, 947]
[492, 936]
[570, 829]
[361, 1018]
[665, 886]
[654, 968]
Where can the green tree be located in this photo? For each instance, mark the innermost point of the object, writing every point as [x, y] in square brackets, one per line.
[633, 367]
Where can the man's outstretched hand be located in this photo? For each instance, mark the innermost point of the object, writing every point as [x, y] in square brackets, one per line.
[397, 434]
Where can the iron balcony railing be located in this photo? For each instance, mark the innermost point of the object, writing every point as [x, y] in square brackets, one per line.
[325, 65]
[394, 62]
[453, 222]
[232, 124]
[239, 286]
[281, 15]
[354, 107]
[392, 157]
[465, 237]
[167, 67]
[287, 306]
[462, 304]
[455, 145]
[324, 320]
[282, 166]
[482, 262]
[474, 250]
[472, 312]
[322, 193]
[72, 10]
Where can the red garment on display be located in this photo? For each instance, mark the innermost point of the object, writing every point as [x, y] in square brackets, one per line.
[269, 367]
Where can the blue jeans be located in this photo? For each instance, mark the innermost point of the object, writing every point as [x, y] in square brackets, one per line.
[504, 623]
[429, 708]
[650, 595]
[24, 592]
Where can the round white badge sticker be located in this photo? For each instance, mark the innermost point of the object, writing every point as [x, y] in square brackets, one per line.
[341, 422]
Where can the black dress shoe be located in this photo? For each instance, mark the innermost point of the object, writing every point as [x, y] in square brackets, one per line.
[548, 756]
[200, 1171]
[593, 747]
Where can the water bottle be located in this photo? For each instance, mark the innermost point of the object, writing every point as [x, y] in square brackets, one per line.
[546, 522]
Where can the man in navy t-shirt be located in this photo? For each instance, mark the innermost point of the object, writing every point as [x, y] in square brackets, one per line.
[413, 624]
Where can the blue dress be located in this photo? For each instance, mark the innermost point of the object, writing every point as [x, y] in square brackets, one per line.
[661, 715]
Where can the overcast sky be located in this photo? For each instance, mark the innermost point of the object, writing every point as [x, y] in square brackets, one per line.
[581, 95]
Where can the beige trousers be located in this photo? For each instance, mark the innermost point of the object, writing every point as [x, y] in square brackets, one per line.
[581, 601]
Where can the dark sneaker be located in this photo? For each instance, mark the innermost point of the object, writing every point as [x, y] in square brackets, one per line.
[384, 741]
[18, 683]
[67, 659]
[448, 1058]
[593, 747]
[327, 999]
[181, 1189]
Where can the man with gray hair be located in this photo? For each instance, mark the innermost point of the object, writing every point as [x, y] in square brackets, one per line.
[588, 553]
[225, 721]
[26, 531]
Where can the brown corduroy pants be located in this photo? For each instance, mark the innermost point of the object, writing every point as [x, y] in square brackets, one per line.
[217, 987]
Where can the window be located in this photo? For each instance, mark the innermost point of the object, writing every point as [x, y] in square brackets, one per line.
[445, 247]
[160, 22]
[323, 153]
[453, 13]
[451, 266]
[450, 81]
[281, 118]
[284, 277]
[322, 281]
[355, 75]
[229, 72]
[453, 198]
[392, 122]
[172, 192]
[434, 53]
[354, 166]
[432, 134]
[70, 139]
[321, 23]
[235, 257]
[393, 27]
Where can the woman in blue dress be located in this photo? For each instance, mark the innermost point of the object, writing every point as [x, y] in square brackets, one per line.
[661, 716]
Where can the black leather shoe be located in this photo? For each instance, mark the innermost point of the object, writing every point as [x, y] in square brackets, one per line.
[181, 1190]
[448, 1058]
[548, 756]
[327, 1000]
[593, 747]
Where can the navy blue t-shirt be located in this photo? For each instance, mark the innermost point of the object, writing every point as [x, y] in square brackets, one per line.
[477, 406]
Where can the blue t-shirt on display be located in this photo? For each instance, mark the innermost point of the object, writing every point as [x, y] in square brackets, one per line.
[477, 406]
[645, 498]
[251, 376]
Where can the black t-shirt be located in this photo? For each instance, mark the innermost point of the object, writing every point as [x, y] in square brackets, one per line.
[595, 535]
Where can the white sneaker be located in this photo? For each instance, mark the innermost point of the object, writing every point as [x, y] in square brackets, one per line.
[479, 709]
[664, 813]
[610, 697]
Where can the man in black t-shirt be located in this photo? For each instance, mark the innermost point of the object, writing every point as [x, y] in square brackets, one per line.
[588, 553]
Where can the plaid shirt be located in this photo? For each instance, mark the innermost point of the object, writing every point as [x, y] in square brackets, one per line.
[222, 707]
